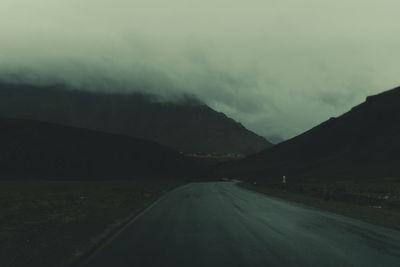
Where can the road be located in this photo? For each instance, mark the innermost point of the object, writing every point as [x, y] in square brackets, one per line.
[221, 224]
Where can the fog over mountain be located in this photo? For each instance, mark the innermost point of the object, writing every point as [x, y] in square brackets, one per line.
[279, 67]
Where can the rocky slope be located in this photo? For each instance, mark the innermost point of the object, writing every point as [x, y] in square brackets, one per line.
[188, 126]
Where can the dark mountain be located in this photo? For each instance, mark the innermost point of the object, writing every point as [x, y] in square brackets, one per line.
[188, 126]
[364, 142]
[39, 150]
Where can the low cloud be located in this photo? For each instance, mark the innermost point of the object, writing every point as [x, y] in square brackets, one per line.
[279, 67]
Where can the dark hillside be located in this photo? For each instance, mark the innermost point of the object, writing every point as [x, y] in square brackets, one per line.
[364, 142]
[32, 150]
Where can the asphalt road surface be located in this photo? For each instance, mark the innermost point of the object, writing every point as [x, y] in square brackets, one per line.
[221, 224]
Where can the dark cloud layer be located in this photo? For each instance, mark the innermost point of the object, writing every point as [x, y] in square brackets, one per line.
[279, 67]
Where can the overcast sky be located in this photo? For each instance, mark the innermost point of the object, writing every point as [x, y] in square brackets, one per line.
[278, 66]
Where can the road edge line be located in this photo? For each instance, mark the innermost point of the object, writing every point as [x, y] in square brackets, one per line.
[88, 255]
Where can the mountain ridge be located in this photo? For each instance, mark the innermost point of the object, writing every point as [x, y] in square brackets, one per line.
[189, 126]
[363, 142]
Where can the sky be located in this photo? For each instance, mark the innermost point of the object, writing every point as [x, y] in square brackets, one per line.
[279, 67]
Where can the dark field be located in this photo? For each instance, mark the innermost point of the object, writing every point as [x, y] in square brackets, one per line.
[373, 201]
[49, 223]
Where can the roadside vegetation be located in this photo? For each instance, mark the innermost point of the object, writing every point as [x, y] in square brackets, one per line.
[375, 201]
[49, 223]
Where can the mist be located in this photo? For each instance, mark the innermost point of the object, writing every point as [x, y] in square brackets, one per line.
[279, 67]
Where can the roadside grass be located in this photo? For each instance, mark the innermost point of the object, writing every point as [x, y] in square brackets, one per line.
[376, 202]
[46, 223]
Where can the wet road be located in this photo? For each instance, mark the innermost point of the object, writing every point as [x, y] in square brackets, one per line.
[221, 224]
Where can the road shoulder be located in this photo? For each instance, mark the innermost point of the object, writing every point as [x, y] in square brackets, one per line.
[379, 215]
